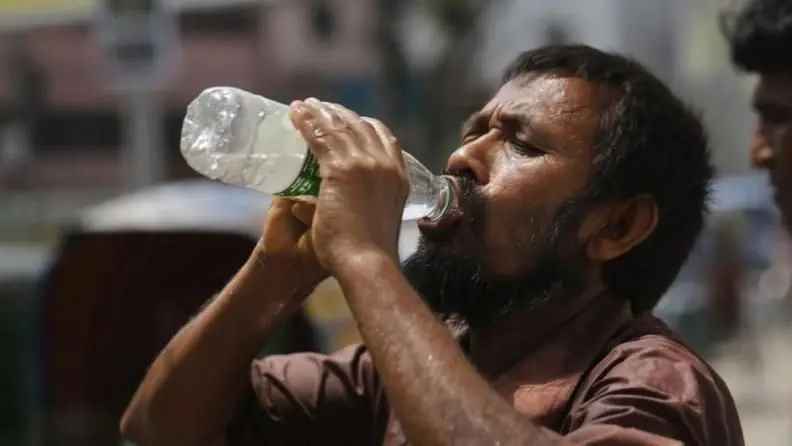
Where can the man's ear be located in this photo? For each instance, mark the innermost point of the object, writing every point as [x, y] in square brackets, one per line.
[615, 227]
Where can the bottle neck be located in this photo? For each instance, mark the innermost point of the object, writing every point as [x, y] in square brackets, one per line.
[307, 182]
[445, 197]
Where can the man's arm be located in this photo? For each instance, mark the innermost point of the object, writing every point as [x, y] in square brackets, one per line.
[195, 383]
[435, 391]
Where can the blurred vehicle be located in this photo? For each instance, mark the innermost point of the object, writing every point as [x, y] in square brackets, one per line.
[126, 276]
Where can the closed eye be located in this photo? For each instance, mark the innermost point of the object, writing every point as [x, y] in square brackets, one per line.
[525, 148]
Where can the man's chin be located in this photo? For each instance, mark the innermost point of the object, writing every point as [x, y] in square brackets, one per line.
[458, 287]
[449, 269]
[435, 270]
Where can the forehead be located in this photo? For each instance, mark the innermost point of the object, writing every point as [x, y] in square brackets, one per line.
[567, 107]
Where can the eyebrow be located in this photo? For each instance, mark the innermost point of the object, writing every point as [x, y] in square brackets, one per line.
[475, 120]
[515, 117]
[480, 120]
[538, 136]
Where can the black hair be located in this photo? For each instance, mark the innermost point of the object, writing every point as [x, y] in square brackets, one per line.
[760, 35]
[649, 143]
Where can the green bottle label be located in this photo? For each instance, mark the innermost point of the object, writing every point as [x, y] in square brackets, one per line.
[307, 181]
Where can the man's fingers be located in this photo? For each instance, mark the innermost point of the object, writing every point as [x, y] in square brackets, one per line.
[280, 205]
[347, 126]
[336, 133]
[308, 121]
[388, 141]
[327, 116]
[299, 208]
[304, 211]
[324, 129]
[280, 219]
[364, 131]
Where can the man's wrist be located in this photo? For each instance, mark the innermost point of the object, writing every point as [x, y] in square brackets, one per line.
[286, 267]
[279, 277]
[370, 262]
[264, 292]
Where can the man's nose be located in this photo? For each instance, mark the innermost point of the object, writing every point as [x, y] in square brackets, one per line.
[471, 159]
[761, 151]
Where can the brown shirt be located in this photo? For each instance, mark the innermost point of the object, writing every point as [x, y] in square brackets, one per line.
[604, 377]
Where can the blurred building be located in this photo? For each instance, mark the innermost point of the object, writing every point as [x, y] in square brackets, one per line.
[55, 78]
[63, 132]
[63, 121]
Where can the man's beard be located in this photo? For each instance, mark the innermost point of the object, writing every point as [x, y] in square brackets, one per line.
[461, 290]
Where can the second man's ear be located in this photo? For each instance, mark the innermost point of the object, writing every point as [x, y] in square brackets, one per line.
[616, 227]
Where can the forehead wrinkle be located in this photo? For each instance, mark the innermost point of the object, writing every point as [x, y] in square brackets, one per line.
[576, 115]
[538, 114]
[529, 106]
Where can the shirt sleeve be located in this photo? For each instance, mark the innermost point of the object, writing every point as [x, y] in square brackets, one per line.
[653, 392]
[308, 398]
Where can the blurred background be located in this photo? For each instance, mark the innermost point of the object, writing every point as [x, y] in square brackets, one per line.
[109, 242]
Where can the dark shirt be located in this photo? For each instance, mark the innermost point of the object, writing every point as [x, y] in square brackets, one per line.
[603, 377]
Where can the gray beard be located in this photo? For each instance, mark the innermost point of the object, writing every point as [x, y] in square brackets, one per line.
[460, 291]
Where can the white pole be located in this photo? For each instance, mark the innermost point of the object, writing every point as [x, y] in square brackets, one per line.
[144, 160]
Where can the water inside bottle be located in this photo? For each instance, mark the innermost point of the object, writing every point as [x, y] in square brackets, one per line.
[277, 154]
[415, 211]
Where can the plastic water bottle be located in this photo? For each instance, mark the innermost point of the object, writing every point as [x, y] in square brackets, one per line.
[247, 140]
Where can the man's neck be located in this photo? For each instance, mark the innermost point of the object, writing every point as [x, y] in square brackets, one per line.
[496, 348]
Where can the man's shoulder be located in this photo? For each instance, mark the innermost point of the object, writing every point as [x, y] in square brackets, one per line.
[649, 379]
[649, 362]
[648, 332]
[649, 352]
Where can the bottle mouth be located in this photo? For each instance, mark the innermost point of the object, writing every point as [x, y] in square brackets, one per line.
[445, 199]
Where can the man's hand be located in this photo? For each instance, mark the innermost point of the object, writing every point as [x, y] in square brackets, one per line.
[364, 182]
[286, 238]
